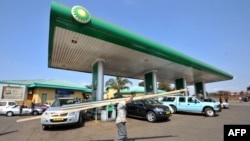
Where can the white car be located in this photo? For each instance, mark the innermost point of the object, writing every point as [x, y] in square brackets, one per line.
[6, 103]
[224, 105]
[15, 110]
[52, 116]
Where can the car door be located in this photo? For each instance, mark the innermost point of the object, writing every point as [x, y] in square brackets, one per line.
[26, 111]
[181, 106]
[136, 108]
[16, 110]
[194, 105]
[131, 109]
[139, 107]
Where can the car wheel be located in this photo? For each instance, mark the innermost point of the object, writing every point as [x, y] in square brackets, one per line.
[45, 127]
[9, 114]
[174, 109]
[80, 122]
[209, 112]
[151, 117]
[35, 113]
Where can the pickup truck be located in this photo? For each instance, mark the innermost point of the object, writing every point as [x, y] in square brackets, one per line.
[191, 104]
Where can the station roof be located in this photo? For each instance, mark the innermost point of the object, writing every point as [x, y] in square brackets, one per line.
[137, 89]
[78, 39]
[47, 83]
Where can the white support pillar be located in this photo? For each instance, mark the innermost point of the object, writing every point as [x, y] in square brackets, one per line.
[97, 80]
[100, 79]
[97, 84]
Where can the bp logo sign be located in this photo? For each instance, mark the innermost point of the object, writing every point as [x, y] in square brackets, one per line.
[80, 14]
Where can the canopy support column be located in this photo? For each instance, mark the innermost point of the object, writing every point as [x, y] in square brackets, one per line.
[150, 82]
[200, 89]
[181, 84]
[97, 83]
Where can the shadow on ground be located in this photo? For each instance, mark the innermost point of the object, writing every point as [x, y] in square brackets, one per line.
[140, 138]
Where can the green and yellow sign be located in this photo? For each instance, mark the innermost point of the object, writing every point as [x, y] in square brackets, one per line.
[80, 14]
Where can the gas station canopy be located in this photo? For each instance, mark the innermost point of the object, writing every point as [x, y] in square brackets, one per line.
[77, 40]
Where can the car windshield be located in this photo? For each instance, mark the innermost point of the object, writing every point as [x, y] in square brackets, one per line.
[152, 101]
[61, 102]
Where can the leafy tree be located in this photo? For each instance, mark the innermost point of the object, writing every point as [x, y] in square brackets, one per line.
[88, 86]
[248, 88]
[212, 94]
[142, 84]
[164, 86]
[161, 86]
[119, 83]
[223, 93]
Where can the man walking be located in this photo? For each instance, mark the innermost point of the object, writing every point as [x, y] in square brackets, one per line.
[121, 118]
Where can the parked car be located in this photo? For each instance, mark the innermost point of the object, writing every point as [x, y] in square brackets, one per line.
[244, 99]
[41, 106]
[211, 99]
[5, 104]
[15, 110]
[191, 104]
[52, 116]
[150, 109]
[224, 104]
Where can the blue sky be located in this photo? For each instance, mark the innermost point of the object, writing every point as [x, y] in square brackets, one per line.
[214, 31]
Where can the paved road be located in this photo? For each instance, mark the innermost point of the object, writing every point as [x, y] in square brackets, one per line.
[180, 127]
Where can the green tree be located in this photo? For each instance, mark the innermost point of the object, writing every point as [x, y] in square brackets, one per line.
[161, 86]
[142, 84]
[164, 86]
[248, 88]
[88, 86]
[119, 83]
[223, 93]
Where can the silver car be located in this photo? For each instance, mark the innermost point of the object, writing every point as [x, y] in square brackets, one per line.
[15, 110]
[224, 105]
[52, 116]
[6, 103]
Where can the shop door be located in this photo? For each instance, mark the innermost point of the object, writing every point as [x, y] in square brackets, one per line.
[44, 98]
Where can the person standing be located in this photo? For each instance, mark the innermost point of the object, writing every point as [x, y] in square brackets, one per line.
[226, 99]
[201, 96]
[220, 100]
[221, 104]
[21, 108]
[121, 118]
[32, 107]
